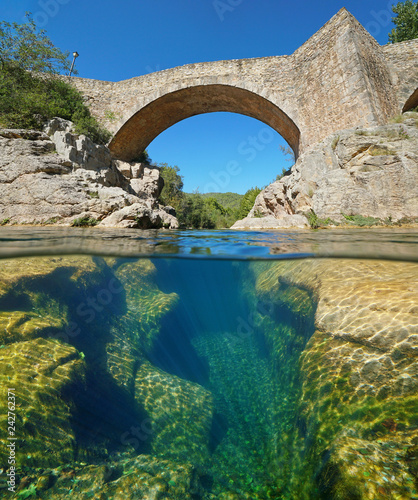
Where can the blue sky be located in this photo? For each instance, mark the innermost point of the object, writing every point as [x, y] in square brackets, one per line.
[120, 40]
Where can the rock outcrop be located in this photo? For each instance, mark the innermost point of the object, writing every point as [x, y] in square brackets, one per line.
[56, 176]
[370, 172]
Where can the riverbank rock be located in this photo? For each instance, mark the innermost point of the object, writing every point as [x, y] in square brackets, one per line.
[370, 172]
[57, 176]
[270, 222]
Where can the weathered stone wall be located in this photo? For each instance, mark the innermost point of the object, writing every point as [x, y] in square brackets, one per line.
[340, 78]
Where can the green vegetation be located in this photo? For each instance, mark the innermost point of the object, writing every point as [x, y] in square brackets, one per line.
[411, 114]
[247, 202]
[5, 221]
[144, 158]
[406, 21]
[315, 222]
[203, 211]
[85, 222]
[172, 193]
[53, 220]
[198, 211]
[361, 220]
[31, 90]
[285, 171]
[361, 132]
[27, 492]
[227, 200]
[352, 220]
[380, 151]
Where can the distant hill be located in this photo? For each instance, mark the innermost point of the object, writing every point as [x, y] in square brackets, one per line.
[227, 200]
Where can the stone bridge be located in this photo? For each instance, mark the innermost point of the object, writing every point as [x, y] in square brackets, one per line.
[340, 78]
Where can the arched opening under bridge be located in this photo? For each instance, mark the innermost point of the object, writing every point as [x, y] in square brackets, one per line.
[152, 119]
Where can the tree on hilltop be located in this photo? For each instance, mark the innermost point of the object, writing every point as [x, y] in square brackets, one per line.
[406, 21]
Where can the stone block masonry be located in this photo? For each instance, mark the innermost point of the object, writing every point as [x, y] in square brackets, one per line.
[339, 79]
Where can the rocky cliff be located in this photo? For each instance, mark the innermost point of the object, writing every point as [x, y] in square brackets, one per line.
[56, 176]
[370, 172]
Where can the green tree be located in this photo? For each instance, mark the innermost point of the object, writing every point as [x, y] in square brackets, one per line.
[227, 200]
[406, 21]
[144, 158]
[195, 213]
[247, 201]
[172, 193]
[31, 92]
[213, 205]
[194, 210]
[30, 49]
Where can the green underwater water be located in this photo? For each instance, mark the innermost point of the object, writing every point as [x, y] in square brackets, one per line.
[188, 378]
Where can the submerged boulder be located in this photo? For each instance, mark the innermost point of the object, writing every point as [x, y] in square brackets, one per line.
[180, 415]
[43, 375]
[144, 477]
[357, 409]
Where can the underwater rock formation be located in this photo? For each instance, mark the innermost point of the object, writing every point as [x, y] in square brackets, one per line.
[359, 387]
[56, 176]
[370, 172]
[308, 387]
[139, 477]
[45, 372]
[180, 415]
[135, 330]
[67, 319]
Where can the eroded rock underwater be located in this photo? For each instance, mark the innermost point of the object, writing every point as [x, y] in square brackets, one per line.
[185, 379]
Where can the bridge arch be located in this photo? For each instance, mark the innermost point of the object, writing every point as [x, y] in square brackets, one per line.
[139, 130]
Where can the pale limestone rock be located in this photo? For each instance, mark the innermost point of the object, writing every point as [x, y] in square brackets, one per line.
[142, 178]
[140, 216]
[58, 176]
[370, 172]
[270, 222]
[151, 183]
[124, 168]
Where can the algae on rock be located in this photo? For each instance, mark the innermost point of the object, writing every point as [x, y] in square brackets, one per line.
[180, 415]
[102, 317]
[43, 374]
[356, 419]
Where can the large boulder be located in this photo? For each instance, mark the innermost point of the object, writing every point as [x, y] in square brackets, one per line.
[143, 178]
[370, 172]
[57, 176]
[43, 375]
[140, 215]
[270, 222]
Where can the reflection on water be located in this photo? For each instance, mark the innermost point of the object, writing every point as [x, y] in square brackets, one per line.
[208, 379]
[396, 243]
